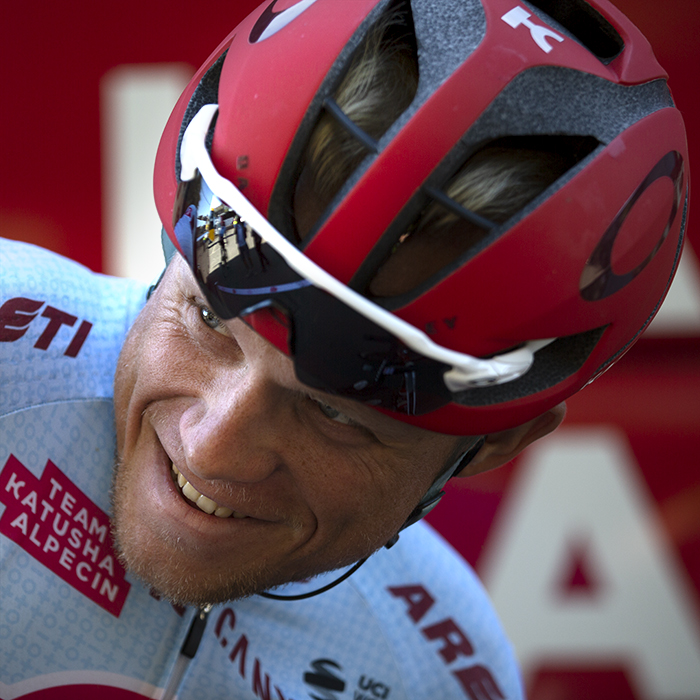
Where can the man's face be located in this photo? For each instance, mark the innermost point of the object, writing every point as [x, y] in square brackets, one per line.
[314, 482]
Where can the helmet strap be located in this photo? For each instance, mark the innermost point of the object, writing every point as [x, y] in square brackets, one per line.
[435, 492]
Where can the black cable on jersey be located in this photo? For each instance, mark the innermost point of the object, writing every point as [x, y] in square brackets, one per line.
[196, 632]
[187, 652]
[311, 594]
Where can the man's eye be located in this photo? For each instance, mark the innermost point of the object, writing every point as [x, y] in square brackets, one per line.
[333, 413]
[211, 319]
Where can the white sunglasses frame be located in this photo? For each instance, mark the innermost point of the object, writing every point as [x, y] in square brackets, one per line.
[467, 371]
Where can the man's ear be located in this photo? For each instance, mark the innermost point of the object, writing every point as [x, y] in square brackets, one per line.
[500, 448]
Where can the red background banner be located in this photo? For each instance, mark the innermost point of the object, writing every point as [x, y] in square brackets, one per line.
[588, 558]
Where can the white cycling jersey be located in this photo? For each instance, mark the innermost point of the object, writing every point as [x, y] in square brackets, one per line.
[413, 623]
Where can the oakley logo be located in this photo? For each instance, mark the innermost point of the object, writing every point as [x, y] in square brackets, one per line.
[271, 22]
[598, 280]
[540, 34]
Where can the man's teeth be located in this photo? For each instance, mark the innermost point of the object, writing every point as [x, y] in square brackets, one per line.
[202, 502]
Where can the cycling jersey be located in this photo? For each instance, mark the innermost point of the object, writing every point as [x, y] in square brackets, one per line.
[412, 623]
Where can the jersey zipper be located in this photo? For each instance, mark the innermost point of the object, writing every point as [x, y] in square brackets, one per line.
[187, 652]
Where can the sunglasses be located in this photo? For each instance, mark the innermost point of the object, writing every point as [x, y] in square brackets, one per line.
[339, 341]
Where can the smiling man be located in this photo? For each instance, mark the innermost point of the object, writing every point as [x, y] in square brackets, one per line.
[234, 477]
[385, 270]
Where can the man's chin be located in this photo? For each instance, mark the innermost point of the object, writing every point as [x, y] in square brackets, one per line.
[181, 585]
[162, 564]
[171, 578]
[170, 575]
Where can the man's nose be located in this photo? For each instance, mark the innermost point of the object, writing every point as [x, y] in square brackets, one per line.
[235, 429]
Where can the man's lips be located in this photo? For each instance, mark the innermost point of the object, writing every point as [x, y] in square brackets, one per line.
[204, 503]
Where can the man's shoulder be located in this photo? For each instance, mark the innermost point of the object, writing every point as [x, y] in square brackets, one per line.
[434, 611]
[61, 327]
[34, 271]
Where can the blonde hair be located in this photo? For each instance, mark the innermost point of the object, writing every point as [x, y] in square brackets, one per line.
[497, 181]
[380, 84]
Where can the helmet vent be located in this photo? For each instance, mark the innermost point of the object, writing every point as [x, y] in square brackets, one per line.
[586, 24]
[455, 217]
[375, 86]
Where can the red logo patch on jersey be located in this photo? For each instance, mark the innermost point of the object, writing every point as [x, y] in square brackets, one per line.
[58, 525]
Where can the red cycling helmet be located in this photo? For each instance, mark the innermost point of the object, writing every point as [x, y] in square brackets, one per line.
[544, 303]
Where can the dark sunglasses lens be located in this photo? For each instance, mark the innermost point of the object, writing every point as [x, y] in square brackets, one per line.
[243, 276]
[375, 367]
[236, 269]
